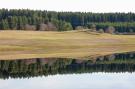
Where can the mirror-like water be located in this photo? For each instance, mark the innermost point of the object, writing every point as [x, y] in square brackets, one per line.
[74, 81]
[108, 72]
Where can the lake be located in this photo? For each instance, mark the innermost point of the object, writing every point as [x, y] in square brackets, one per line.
[114, 71]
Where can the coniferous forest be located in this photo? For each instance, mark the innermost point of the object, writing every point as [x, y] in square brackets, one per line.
[51, 66]
[24, 19]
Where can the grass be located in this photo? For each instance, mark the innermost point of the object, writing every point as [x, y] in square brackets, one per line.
[71, 44]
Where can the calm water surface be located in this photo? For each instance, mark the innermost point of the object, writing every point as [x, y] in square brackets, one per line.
[115, 71]
[74, 81]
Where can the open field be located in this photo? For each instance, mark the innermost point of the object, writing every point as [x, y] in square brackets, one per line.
[74, 44]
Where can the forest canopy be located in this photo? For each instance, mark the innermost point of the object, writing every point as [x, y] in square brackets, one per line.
[25, 19]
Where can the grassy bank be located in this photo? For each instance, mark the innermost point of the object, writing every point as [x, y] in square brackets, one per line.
[31, 44]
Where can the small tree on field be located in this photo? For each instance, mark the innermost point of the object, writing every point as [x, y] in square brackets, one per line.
[110, 30]
[101, 31]
[79, 28]
[92, 27]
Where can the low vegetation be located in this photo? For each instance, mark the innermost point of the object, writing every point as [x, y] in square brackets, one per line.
[77, 43]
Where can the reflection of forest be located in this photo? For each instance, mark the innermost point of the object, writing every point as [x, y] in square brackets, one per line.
[51, 66]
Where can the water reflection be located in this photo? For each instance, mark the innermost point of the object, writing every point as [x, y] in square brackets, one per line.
[51, 66]
[74, 81]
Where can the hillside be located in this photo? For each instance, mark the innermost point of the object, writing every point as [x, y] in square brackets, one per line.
[71, 44]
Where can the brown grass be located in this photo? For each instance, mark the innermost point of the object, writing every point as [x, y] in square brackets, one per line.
[31, 44]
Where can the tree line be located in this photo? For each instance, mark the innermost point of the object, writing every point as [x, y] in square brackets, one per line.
[25, 19]
[51, 66]
[120, 27]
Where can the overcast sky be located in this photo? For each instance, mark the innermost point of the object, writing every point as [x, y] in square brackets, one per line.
[72, 5]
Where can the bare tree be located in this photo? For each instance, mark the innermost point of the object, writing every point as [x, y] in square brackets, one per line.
[110, 30]
[43, 27]
[51, 27]
[30, 27]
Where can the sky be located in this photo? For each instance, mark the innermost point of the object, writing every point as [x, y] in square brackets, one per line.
[72, 5]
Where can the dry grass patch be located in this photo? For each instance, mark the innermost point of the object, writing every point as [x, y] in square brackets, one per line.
[30, 44]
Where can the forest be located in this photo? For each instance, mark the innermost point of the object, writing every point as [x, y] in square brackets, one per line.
[37, 20]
